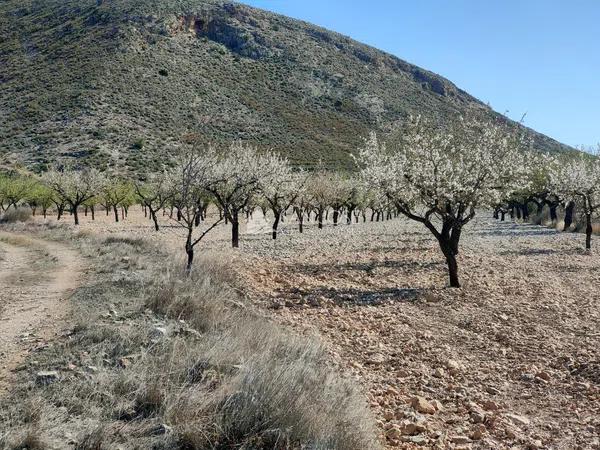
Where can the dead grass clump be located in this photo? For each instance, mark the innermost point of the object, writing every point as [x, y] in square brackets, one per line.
[284, 396]
[94, 440]
[128, 240]
[246, 382]
[30, 439]
[16, 215]
[199, 299]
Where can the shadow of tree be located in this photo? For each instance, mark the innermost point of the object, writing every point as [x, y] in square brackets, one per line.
[318, 296]
[367, 266]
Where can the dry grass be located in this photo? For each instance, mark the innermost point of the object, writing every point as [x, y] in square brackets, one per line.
[578, 226]
[181, 362]
[18, 240]
[16, 215]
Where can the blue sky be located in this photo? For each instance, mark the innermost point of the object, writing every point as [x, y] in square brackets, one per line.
[540, 57]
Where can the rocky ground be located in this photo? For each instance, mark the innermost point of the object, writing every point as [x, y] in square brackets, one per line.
[510, 360]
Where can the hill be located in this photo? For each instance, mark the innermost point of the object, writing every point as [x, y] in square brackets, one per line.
[124, 81]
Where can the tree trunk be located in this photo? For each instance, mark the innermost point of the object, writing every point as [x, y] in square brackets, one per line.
[455, 239]
[75, 215]
[154, 219]
[320, 219]
[502, 215]
[276, 223]
[525, 207]
[588, 231]
[116, 211]
[235, 230]
[336, 214]
[570, 209]
[300, 217]
[518, 209]
[553, 215]
[189, 250]
[446, 247]
[93, 212]
[85, 211]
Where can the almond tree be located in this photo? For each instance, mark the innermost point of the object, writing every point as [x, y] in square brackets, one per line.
[187, 182]
[235, 182]
[74, 187]
[440, 177]
[39, 196]
[279, 187]
[116, 193]
[579, 179]
[154, 194]
[14, 190]
[302, 204]
[319, 189]
[340, 192]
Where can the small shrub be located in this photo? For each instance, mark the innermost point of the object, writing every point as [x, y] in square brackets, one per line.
[16, 215]
[138, 145]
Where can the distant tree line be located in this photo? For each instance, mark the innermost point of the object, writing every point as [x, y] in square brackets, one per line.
[438, 177]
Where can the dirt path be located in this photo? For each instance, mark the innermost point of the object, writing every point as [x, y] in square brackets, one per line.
[36, 278]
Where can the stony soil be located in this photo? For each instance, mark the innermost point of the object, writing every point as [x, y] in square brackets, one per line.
[510, 360]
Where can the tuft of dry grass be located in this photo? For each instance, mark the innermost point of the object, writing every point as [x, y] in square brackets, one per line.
[27, 440]
[16, 215]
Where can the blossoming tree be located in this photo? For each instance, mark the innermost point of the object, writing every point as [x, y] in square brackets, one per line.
[439, 177]
[236, 180]
[74, 187]
[280, 186]
[186, 183]
[579, 179]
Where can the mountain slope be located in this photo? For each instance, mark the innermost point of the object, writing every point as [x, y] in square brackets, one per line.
[124, 81]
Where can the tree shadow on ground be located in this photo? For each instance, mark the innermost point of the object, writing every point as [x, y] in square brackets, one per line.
[520, 230]
[531, 252]
[320, 296]
[367, 266]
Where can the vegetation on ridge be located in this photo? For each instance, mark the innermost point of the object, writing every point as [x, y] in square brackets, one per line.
[120, 83]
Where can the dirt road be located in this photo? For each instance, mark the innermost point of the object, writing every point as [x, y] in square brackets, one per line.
[36, 279]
